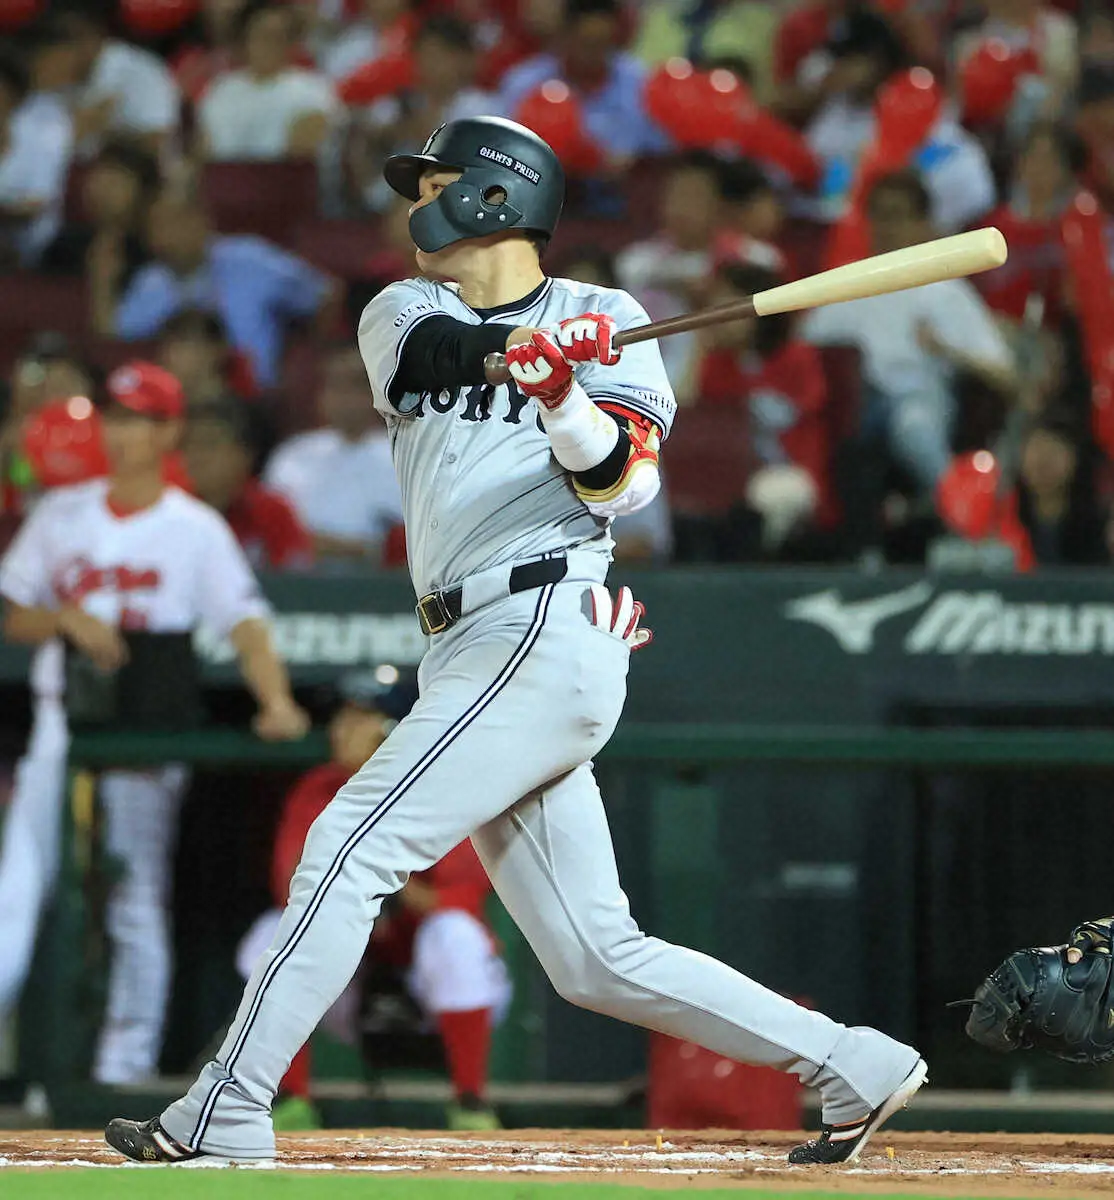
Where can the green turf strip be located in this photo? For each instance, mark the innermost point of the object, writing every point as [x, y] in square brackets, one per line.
[257, 1185]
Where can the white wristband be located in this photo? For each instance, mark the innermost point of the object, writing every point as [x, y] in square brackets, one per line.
[581, 434]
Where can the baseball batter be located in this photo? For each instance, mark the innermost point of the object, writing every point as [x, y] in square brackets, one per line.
[508, 494]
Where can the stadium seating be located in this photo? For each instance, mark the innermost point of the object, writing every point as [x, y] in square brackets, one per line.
[339, 247]
[270, 199]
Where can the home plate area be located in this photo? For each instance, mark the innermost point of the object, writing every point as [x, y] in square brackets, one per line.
[932, 1163]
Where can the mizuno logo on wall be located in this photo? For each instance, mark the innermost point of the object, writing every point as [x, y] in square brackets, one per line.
[960, 622]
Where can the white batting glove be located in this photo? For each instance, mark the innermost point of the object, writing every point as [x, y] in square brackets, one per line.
[620, 616]
[540, 368]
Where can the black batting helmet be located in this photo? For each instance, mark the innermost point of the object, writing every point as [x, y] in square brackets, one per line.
[511, 180]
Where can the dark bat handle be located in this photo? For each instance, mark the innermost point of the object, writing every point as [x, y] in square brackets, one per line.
[495, 364]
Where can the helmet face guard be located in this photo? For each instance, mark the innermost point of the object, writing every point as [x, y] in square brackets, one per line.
[510, 179]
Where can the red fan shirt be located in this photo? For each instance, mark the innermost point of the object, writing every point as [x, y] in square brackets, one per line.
[269, 530]
[1036, 264]
[785, 396]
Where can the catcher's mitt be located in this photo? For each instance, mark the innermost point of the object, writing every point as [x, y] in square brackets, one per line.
[1039, 1000]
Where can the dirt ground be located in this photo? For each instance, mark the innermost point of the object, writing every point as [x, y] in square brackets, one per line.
[938, 1164]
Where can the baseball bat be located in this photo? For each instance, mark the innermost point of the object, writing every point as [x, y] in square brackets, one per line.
[930, 262]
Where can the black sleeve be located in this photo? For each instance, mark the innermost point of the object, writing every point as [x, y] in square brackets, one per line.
[442, 352]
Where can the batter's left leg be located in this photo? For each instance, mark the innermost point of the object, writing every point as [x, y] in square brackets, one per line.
[551, 861]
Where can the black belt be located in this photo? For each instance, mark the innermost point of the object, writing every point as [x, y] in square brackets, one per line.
[440, 610]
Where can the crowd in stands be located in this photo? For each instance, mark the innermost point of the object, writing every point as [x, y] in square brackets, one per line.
[197, 183]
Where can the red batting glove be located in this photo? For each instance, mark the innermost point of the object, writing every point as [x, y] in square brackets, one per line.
[588, 338]
[540, 369]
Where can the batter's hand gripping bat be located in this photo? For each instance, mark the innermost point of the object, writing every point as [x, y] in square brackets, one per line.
[944, 258]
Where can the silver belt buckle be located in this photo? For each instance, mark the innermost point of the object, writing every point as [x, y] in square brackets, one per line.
[433, 615]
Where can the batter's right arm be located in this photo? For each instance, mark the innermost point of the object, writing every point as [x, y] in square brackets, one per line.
[610, 450]
[410, 345]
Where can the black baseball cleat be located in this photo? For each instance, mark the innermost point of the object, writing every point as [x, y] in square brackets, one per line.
[844, 1143]
[147, 1142]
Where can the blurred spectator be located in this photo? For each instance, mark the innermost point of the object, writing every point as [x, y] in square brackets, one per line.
[671, 272]
[123, 89]
[862, 53]
[589, 264]
[1056, 496]
[223, 446]
[865, 56]
[1096, 37]
[1031, 25]
[778, 381]
[108, 242]
[606, 80]
[530, 26]
[194, 347]
[826, 49]
[1044, 182]
[269, 108]
[382, 28]
[702, 30]
[47, 370]
[753, 217]
[443, 90]
[392, 261]
[914, 342]
[211, 51]
[340, 478]
[36, 141]
[1095, 124]
[804, 31]
[803, 60]
[254, 286]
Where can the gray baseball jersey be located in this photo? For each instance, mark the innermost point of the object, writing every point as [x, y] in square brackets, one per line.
[480, 485]
[517, 697]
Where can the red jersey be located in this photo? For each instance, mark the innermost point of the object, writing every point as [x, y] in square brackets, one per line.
[269, 530]
[784, 397]
[1036, 264]
[458, 879]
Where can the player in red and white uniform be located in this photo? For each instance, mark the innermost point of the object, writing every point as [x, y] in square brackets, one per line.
[126, 552]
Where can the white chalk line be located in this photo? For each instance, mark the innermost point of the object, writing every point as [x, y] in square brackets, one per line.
[539, 1159]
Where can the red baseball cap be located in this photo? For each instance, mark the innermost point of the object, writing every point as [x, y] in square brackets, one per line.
[147, 390]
